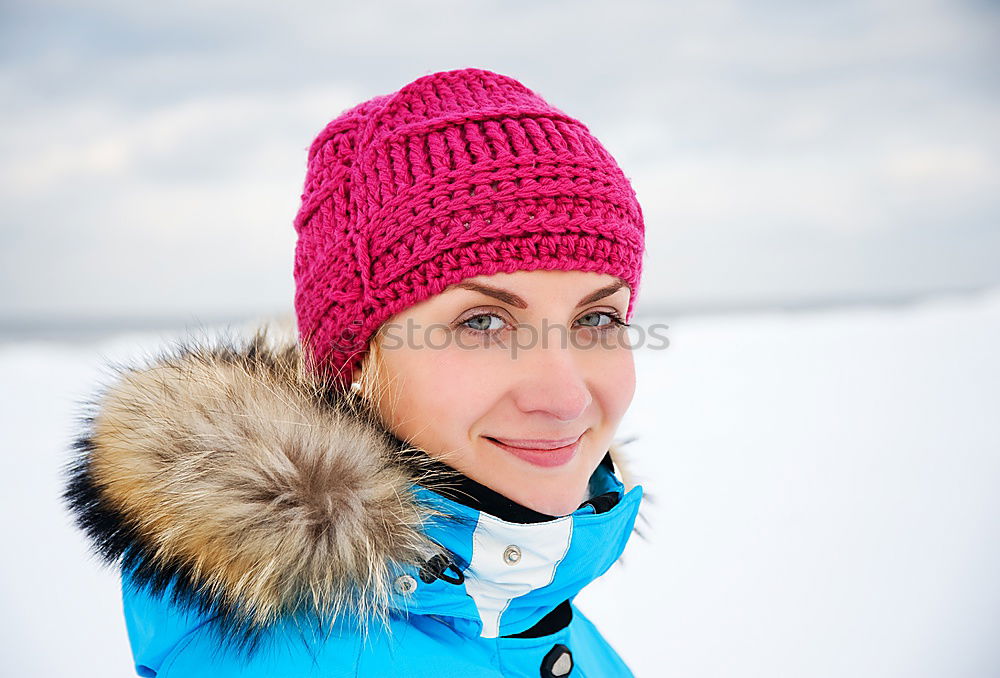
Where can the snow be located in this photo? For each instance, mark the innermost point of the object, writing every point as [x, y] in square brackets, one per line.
[822, 500]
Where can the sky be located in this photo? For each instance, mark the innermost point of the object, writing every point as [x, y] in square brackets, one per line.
[152, 155]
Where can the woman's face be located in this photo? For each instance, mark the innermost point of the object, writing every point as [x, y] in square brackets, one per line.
[513, 357]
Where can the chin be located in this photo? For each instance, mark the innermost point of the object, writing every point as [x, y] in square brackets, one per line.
[564, 497]
[554, 490]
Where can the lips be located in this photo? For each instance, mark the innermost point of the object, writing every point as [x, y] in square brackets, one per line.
[536, 444]
[547, 457]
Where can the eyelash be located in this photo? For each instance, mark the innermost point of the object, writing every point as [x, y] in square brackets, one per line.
[616, 321]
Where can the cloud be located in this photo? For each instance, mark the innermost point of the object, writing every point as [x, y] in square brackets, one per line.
[832, 145]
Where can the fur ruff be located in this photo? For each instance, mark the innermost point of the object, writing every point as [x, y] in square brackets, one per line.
[258, 491]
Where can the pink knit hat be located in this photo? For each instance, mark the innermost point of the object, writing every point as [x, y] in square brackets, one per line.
[458, 174]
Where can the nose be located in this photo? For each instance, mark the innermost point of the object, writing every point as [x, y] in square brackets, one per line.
[552, 381]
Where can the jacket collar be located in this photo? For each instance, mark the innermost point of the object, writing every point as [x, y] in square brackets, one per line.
[517, 572]
[464, 490]
[223, 471]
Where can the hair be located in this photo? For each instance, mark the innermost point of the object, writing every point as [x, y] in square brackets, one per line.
[371, 370]
[372, 385]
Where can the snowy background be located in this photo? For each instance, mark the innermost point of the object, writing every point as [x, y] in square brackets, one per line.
[821, 187]
[823, 494]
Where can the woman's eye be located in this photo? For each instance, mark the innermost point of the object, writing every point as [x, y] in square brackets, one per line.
[477, 323]
[595, 316]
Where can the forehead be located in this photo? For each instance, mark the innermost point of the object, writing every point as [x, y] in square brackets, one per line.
[540, 279]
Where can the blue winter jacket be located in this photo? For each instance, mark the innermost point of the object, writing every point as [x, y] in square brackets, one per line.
[266, 525]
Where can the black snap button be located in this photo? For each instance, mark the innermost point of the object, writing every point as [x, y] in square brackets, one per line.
[558, 662]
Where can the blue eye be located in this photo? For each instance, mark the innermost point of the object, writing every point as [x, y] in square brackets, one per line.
[614, 320]
[479, 327]
[491, 323]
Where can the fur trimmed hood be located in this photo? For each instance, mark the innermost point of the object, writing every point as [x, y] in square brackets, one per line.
[223, 470]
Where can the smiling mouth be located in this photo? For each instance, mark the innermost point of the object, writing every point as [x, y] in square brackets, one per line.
[549, 457]
[535, 445]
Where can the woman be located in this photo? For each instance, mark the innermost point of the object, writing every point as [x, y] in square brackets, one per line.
[424, 478]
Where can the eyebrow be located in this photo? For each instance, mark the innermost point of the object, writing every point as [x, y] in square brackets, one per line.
[514, 300]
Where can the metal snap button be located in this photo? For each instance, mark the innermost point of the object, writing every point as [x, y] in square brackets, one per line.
[512, 555]
[558, 662]
[405, 584]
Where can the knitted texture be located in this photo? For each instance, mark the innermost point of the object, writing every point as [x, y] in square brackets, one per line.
[458, 174]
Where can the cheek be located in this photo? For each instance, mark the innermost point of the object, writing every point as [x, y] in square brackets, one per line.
[439, 395]
[460, 384]
[615, 381]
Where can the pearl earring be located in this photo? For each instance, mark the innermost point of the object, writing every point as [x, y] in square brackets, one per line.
[356, 386]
